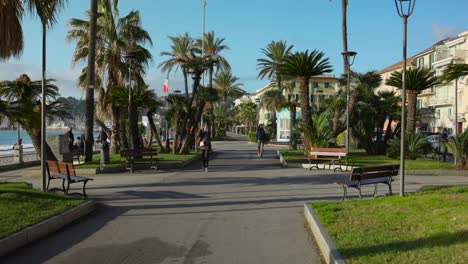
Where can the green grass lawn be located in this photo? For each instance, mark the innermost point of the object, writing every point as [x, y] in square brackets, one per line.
[21, 207]
[359, 158]
[427, 227]
[116, 160]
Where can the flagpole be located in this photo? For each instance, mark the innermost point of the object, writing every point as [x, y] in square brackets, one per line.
[203, 50]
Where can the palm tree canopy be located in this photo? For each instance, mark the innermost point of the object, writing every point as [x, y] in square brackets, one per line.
[213, 47]
[275, 53]
[272, 99]
[228, 85]
[417, 79]
[454, 71]
[305, 64]
[180, 54]
[11, 14]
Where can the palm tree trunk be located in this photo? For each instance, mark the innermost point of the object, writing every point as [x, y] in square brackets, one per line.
[154, 130]
[186, 83]
[411, 113]
[292, 124]
[306, 115]
[115, 139]
[35, 135]
[89, 111]
[136, 142]
[103, 126]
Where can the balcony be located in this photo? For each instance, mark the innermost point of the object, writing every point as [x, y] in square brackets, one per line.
[461, 117]
[449, 55]
[427, 112]
[427, 92]
[441, 101]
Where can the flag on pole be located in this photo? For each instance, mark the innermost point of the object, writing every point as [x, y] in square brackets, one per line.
[166, 85]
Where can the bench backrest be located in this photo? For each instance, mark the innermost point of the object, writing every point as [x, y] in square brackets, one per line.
[335, 152]
[138, 152]
[59, 167]
[373, 172]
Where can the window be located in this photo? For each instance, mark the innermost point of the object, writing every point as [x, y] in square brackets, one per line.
[293, 84]
[418, 104]
[315, 85]
[327, 85]
[421, 62]
[297, 98]
[431, 60]
[438, 114]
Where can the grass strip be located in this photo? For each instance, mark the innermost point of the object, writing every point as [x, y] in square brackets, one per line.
[21, 206]
[426, 227]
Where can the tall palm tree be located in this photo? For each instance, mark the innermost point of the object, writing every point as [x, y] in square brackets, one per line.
[23, 96]
[275, 52]
[247, 114]
[119, 48]
[227, 86]
[303, 66]
[417, 80]
[11, 15]
[180, 55]
[176, 113]
[271, 100]
[454, 71]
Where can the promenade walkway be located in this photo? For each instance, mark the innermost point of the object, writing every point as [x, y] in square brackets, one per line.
[244, 210]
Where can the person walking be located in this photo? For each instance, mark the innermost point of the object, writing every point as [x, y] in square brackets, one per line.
[260, 140]
[204, 143]
[71, 139]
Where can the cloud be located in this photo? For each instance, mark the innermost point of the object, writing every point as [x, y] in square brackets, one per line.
[440, 32]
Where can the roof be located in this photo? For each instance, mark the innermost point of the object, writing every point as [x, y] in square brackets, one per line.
[396, 66]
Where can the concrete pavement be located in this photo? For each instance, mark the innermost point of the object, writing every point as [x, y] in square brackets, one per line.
[244, 210]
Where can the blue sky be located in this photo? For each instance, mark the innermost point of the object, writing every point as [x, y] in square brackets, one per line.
[374, 31]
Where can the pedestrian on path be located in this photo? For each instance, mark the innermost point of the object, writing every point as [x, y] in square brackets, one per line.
[260, 140]
[204, 142]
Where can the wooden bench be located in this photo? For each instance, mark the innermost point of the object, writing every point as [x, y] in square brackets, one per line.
[370, 175]
[330, 155]
[139, 156]
[66, 172]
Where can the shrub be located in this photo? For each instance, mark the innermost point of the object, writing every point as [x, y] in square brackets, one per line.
[459, 147]
[415, 146]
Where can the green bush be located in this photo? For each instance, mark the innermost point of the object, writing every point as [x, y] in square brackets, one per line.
[416, 146]
[252, 137]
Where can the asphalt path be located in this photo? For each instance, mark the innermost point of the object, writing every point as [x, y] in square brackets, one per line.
[243, 210]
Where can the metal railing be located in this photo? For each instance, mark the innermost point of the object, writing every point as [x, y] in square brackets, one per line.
[445, 54]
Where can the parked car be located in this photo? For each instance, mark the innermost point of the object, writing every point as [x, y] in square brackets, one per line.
[435, 141]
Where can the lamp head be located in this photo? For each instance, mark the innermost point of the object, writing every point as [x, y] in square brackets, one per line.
[405, 8]
[350, 56]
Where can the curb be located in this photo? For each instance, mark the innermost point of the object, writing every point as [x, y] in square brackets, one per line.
[46, 227]
[17, 166]
[327, 247]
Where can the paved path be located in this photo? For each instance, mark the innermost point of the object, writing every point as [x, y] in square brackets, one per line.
[244, 210]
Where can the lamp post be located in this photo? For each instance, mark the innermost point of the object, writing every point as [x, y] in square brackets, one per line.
[349, 57]
[405, 9]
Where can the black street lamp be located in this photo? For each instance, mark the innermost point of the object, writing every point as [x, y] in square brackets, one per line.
[405, 9]
[349, 57]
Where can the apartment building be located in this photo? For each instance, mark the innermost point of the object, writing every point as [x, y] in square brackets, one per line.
[436, 106]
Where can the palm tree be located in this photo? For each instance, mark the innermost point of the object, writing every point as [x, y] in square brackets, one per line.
[271, 100]
[213, 47]
[227, 86]
[141, 98]
[181, 52]
[247, 114]
[222, 113]
[11, 15]
[119, 47]
[417, 80]
[303, 66]
[23, 96]
[454, 71]
[176, 113]
[275, 52]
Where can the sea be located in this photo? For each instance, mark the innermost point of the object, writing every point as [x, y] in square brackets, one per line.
[9, 137]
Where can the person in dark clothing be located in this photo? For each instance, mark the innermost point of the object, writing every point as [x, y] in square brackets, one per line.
[204, 143]
[81, 144]
[71, 139]
[260, 140]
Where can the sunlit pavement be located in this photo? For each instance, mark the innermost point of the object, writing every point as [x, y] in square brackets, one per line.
[244, 210]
